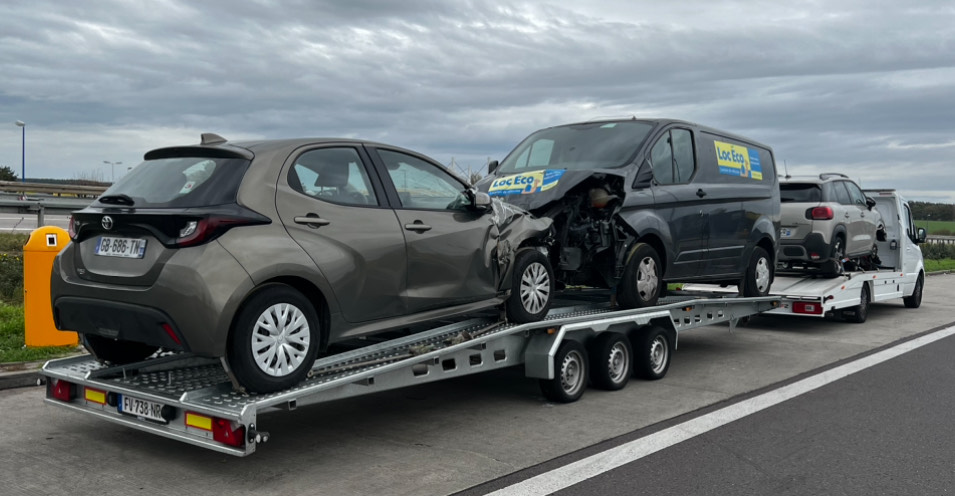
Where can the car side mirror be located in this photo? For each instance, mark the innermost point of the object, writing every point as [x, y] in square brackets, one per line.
[492, 166]
[921, 235]
[644, 176]
[869, 202]
[480, 201]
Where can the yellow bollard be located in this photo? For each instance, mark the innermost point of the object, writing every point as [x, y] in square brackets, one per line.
[38, 254]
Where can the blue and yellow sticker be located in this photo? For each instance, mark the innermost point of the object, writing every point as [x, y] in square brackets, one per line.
[735, 160]
[526, 184]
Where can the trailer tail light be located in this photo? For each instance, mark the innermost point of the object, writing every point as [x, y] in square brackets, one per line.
[223, 432]
[806, 307]
[820, 213]
[221, 429]
[64, 391]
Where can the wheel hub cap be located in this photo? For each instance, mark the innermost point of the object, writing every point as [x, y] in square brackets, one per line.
[618, 362]
[658, 354]
[647, 280]
[570, 373]
[280, 339]
[762, 275]
[535, 288]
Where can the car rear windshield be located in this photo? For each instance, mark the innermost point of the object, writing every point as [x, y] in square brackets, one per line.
[800, 193]
[596, 145]
[179, 182]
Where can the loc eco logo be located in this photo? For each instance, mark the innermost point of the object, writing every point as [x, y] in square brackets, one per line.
[735, 160]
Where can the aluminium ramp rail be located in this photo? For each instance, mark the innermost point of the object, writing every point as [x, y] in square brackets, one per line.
[191, 385]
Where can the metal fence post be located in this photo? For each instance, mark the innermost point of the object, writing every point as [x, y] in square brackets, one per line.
[39, 215]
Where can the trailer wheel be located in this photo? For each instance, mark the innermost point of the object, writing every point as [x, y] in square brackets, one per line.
[915, 300]
[611, 361]
[651, 345]
[275, 338]
[859, 313]
[532, 288]
[759, 274]
[117, 351]
[570, 374]
[642, 278]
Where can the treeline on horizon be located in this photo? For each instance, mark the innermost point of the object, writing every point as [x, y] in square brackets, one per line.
[932, 211]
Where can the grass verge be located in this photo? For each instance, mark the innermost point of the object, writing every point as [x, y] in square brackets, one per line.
[12, 347]
[936, 265]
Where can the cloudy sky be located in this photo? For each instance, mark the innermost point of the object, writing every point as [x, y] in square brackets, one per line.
[861, 87]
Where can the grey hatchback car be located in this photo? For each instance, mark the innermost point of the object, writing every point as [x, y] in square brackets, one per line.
[264, 253]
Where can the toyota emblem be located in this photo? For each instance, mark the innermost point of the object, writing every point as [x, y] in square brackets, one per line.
[107, 222]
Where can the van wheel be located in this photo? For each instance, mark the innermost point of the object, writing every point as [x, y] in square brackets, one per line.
[570, 374]
[759, 274]
[116, 351]
[642, 279]
[611, 361]
[532, 288]
[859, 313]
[274, 339]
[915, 300]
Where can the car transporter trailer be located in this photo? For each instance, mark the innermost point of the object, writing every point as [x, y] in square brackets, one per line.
[194, 399]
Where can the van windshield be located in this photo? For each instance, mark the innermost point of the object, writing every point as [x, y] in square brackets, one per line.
[800, 193]
[181, 182]
[596, 145]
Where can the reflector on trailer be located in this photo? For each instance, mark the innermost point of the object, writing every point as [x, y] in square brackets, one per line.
[95, 395]
[198, 421]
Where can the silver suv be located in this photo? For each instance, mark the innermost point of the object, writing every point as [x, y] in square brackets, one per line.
[264, 253]
[827, 221]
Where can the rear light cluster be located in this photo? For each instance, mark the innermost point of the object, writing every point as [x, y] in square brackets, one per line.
[198, 231]
[820, 213]
[74, 227]
[223, 430]
[807, 307]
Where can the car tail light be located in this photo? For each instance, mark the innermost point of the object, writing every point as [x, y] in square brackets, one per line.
[172, 333]
[64, 391]
[820, 213]
[198, 231]
[74, 228]
[807, 307]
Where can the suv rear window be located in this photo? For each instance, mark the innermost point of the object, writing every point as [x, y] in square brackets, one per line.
[800, 193]
[182, 182]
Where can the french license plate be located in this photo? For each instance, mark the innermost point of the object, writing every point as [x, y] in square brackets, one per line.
[141, 408]
[786, 232]
[121, 247]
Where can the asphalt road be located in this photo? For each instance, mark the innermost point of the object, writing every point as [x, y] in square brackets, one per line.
[885, 430]
[453, 435]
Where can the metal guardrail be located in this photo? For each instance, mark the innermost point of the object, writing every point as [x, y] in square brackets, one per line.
[941, 240]
[43, 207]
[56, 189]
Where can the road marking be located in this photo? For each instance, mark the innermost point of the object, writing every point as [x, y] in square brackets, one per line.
[581, 470]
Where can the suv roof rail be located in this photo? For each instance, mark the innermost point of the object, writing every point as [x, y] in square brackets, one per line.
[827, 175]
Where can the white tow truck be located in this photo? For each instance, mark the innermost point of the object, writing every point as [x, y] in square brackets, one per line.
[583, 340]
[900, 273]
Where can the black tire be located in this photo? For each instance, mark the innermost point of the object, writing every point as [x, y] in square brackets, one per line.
[642, 279]
[759, 274]
[652, 349]
[116, 351]
[275, 302]
[859, 313]
[915, 299]
[570, 374]
[532, 288]
[611, 361]
[838, 253]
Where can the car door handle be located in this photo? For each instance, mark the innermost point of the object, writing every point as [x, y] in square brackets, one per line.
[418, 227]
[312, 221]
[700, 193]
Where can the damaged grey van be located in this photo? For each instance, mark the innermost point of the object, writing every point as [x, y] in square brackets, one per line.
[638, 203]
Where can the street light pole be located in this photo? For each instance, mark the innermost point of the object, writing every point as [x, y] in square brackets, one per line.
[112, 169]
[23, 151]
